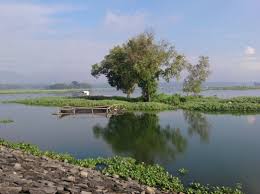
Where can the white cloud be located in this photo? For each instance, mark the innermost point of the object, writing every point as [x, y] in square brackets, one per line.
[249, 51]
[27, 19]
[33, 45]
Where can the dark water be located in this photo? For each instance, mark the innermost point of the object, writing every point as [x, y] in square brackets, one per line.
[216, 149]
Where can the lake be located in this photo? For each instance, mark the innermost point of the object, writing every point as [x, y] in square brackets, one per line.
[219, 149]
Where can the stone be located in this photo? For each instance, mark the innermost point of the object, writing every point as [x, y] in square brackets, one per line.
[74, 170]
[50, 190]
[115, 176]
[36, 191]
[24, 173]
[150, 190]
[85, 192]
[83, 173]
[71, 178]
[10, 190]
[17, 166]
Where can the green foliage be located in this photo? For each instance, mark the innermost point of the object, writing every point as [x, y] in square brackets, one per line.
[140, 61]
[159, 102]
[6, 121]
[117, 68]
[197, 75]
[168, 99]
[151, 175]
[211, 104]
[183, 171]
[80, 102]
[197, 188]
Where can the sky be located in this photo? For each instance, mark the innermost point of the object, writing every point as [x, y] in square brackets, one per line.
[46, 41]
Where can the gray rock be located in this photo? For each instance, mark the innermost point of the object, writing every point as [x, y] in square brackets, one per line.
[116, 176]
[24, 173]
[10, 190]
[71, 178]
[85, 192]
[83, 173]
[150, 190]
[17, 166]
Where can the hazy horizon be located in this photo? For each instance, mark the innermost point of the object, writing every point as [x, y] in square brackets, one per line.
[57, 41]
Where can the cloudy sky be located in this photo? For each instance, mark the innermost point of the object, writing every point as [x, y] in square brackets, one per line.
[59, 40]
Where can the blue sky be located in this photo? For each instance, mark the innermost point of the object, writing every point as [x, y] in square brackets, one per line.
[42, 37]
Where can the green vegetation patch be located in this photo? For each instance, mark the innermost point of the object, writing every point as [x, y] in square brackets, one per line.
[6, 121]
[212, 104]
[81, 102]
[151, 175]
[160, 102]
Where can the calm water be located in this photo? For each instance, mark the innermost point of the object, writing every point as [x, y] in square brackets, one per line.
[174, 90]
[216, 149]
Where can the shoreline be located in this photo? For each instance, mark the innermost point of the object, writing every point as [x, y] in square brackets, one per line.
[123, 169]
[25, 173]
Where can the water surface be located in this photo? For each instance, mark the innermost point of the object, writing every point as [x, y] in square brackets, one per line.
[216, 149]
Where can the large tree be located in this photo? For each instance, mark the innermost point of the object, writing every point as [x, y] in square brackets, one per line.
[141, 61]
[197, 75]
[118, 70]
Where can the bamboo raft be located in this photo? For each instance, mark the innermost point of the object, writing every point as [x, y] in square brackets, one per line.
[101, 110]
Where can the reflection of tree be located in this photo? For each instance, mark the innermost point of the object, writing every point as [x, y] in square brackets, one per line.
[141, 136]
[198, 124]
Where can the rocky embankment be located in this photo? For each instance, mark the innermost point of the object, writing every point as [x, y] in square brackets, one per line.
[24, 173]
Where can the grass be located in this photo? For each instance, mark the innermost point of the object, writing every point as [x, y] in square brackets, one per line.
[125, 167]
[212, 104]
[80, 102]
[6, 121]
[238, 105]
[39, 91]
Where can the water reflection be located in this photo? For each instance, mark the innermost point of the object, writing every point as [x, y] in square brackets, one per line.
[198, 124]
[251, 119]
[142, 137]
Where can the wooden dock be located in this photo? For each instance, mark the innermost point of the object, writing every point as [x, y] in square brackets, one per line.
[101, 110]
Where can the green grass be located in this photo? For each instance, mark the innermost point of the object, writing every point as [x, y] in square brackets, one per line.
[160, 102]
[212, 104]
[125, 167]
[39, 91]
[234, 88]
[81, 102]
[6, 121]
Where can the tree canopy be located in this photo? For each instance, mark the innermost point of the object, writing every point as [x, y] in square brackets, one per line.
[197, 75]
[141, 61]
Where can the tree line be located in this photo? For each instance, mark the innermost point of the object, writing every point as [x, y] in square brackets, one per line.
[142, 62]
[72, 85]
